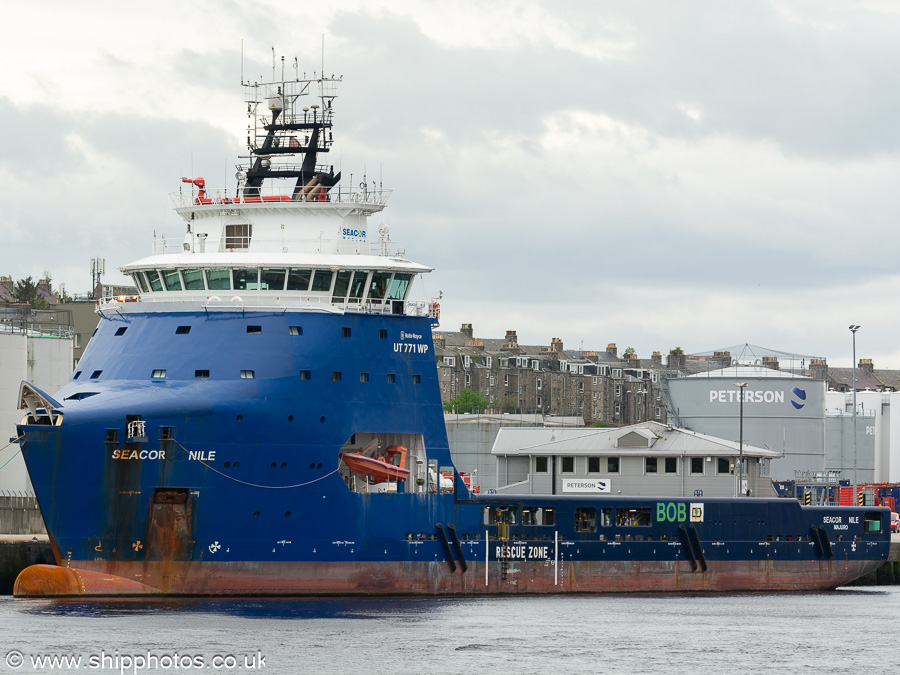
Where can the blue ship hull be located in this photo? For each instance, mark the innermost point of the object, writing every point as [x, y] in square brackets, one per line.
[236, 485]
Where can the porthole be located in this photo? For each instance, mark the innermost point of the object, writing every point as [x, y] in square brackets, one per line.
[319, 465]
[227, 464]
[287, 514]
[290, 418]
[273, 465]
[236, 464]
[256, 514]
[239, 418]
[312, 465]
[322, 418]
[284, 465]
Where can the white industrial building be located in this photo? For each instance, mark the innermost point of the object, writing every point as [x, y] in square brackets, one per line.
[35, 346]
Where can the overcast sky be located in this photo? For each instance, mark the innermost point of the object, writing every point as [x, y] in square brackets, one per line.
[654, 174]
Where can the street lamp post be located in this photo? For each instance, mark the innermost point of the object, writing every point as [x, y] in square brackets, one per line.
[853, 330]
[741, 386]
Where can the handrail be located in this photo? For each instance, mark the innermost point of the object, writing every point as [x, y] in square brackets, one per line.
[163, 245]
[280, 302]
[376, 197]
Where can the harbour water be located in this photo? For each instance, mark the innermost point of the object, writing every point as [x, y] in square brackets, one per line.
[848, 630]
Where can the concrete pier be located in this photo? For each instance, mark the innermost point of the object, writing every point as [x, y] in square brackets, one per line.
[18, 551]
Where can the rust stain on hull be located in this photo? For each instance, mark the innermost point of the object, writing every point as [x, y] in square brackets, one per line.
[96, 578]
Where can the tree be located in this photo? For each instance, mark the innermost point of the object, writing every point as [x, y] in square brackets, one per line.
[26, 291]
[628, 352]
[508, 403]
[467, 401]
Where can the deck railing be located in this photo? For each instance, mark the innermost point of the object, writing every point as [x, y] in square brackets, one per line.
[272, 196]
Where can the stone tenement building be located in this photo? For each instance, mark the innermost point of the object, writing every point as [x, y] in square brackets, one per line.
[550, 380]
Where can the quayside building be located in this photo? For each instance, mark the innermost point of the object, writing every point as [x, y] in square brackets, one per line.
[788, 404]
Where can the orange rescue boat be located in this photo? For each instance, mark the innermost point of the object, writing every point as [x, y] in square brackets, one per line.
[380, 470]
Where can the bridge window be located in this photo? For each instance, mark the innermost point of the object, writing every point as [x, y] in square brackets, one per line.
[201, 374]
[254, 330]
[154, 280]
[182, 330]
[173, 281]
[358, 286]
[340, 285]
[272, 280]
[245, 279]
[141, 282]
[218, 279]
[379, 286]
[159, 374]
[399, 286]
[193, 280]
[295, 330]
[298, 280]
[247, 375]
[322, 281]
[121, 331]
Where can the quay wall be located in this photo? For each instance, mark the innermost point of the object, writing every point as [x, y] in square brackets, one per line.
[20, 515]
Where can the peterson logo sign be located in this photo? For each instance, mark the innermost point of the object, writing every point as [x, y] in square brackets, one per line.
[758, 396]
[733, 396]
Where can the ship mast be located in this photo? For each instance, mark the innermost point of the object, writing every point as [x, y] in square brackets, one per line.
[282, 126]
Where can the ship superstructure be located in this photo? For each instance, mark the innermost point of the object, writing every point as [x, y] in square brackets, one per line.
[264, 418]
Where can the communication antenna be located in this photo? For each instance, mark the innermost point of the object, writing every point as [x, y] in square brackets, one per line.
[98, 269]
